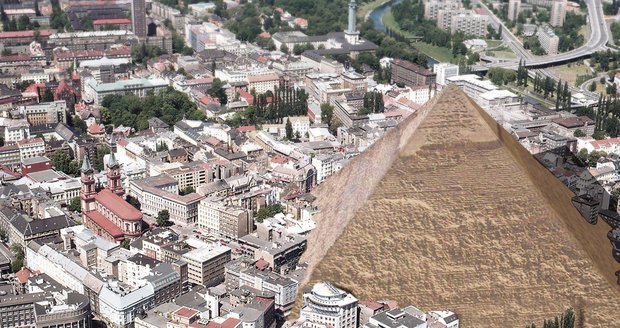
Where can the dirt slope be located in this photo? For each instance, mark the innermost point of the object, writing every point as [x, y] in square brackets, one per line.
[456, 214]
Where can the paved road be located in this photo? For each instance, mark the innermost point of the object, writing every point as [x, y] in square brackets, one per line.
[599, 37]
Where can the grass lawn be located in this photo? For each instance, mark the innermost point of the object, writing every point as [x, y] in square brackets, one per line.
[441, 54]
[504, 54]
[366, 8]
[569, 72]
[493, 43]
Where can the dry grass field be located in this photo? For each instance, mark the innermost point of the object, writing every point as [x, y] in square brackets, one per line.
[448, 212]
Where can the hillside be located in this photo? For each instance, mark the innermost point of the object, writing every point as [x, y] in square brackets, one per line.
[455, 214]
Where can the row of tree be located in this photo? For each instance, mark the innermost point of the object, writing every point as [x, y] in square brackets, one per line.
[544, 85]
[130, 110]
[272, 107]
[373, 103]
[567, 320]
[522, 74]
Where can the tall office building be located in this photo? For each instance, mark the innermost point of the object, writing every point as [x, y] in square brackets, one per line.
[558, 13]
[514, 6]
[138, 17]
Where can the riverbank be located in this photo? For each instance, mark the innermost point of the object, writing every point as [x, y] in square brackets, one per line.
[367, 8]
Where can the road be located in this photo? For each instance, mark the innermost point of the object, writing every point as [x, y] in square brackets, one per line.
[599, 37]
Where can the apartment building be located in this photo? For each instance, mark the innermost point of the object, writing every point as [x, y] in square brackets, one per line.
[432, 7]
[470, 24]
[9, 156]
[558, 13]
[205, 265]
[229, 221]
[284, 289]
[14, 129]
[263, 83]
[548, 40]
[444, 18]
[514, 7]
[162, 193]
[445, 71]
[326, 165]
[410, 74]
[30, 148]
[95, 92]
[45, 113]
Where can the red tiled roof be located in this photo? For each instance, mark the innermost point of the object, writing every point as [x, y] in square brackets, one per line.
[261, 264]
[201, 80]
[119, 52]
[264, 35]
[13, 58]
[23, 275]
[185, 312]
[112, 21]
[95, 129]
[8, 148]
[279, 159]
[122, 143]
[605, 142]
[24, 34]
[118, 205]
[246, 128]
[231, 323]
[104, 223]
[35, 87]
[78, 54]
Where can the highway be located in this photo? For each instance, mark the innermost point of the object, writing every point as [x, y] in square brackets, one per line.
[599, 36]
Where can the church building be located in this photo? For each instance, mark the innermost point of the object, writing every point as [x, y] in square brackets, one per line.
[104, 211]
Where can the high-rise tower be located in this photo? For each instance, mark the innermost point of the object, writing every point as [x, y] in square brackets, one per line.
[351, 34]
[138, 18]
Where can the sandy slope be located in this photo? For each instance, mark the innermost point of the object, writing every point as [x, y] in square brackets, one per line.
[455, 214]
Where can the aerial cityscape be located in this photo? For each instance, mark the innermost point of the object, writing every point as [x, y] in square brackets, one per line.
[309, 163]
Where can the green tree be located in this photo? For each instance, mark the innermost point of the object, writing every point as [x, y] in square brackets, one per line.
[289, 129]
[133, 201]
[75, 205]
[599, 135]
[267, 212]
[125, 244]
[327, 112]
[579, 134]
[163, 218]
[99, 165]
[18, 252]
[61, 161]
[592, 87]
[187, 190]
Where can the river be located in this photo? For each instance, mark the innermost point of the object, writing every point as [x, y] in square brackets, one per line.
[377, 20]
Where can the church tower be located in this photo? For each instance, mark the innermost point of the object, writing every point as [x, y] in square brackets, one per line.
[351, 34]
[114, 176]
[87, 190]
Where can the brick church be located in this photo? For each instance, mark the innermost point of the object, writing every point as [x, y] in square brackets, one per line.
[104, 211]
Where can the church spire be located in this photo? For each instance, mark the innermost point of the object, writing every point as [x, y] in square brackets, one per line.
[86, 164]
